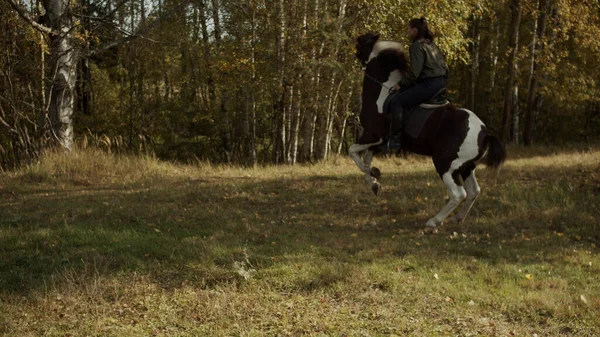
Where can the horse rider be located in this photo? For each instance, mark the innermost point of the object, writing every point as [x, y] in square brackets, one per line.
[426, 77]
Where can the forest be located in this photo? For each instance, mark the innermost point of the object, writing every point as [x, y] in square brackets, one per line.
[251, 82]
[181, 168]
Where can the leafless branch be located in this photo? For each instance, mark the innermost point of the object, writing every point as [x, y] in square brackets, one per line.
[117, 7]
[139, 34]
[23, 14]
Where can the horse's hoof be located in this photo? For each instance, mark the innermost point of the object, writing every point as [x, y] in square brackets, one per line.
[375, 188]
[375, 173]
[431, 224]
[430, 230]
[455, 220]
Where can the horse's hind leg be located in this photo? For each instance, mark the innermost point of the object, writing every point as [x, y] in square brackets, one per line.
[473, 191]
[457, 195]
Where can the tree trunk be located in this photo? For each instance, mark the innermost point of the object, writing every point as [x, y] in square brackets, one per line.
[210, 83]
[293, 120]
[311, 113]
[281, 117]
[515, 115]
[64, 61]
[474, 63]
[328, 119]
[131, 75]
[332, 115]
[324, 121]
[289, 113]
[299, 110]
[253, 94]
[342, 133]
[513, 45]
[344, 123]
[493, 64]
[537, 47]
[225, 124]
[296, 128]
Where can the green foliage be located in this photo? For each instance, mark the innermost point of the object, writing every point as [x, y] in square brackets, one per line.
[182, 93]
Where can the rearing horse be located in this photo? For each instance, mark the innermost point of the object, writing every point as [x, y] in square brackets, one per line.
[456, 139]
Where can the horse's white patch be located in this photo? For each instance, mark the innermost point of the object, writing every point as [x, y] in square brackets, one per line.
[457, 196]
[473, 191]
[364, 163]
[381, 45]
[385, 89]
[393, 78]
[469, 149]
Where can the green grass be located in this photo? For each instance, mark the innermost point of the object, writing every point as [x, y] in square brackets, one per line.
[98, 245]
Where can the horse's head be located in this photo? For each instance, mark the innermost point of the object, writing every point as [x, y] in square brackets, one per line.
[384, 62]
[364, 46]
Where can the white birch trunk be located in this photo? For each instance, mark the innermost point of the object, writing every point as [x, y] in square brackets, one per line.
[282, 118]
[515, 114]
[64, 61]
[311, 112]
[474, 63]
[225, 124]
[507, 118]
[344, 123]
[494, 66]
[253, 94]
[534, 99]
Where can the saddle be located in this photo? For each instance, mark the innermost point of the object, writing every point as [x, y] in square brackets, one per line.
[439, 99]
[414, 118]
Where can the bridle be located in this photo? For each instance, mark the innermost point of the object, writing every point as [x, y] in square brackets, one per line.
[390, 90]
[375, 80]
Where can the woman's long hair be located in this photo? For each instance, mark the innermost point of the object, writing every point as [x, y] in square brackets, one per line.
[422, 28]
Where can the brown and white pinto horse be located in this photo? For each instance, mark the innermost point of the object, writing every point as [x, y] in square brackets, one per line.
[456, 139]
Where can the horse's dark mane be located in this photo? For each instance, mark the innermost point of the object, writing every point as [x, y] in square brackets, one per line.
[392, 59]
[390, 54]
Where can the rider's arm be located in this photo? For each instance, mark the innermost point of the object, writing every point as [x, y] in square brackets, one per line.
[417, 60]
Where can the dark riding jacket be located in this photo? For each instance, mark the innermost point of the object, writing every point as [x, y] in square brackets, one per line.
[426, 61]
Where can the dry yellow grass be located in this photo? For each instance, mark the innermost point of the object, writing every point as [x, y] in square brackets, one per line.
[103, 245]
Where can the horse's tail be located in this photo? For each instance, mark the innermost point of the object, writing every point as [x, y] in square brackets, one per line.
[495, 152]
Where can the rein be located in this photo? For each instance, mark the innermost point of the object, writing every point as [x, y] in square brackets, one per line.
[376, 81]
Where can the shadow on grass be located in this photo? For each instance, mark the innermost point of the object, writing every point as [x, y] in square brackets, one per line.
[182, 231]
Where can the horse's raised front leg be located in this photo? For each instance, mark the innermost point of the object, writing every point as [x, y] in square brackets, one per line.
[372, 174]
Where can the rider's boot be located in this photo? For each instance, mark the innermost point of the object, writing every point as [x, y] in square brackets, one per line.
[394, 141]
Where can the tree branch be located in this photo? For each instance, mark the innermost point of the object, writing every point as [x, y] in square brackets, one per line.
[117, 7]
[132, 36]
[32, 22]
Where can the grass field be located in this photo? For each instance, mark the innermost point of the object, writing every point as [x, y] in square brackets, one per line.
[99, 245]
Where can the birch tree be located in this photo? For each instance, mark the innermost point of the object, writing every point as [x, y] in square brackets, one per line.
[537, 47]
[59, 24]
[509, 88]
